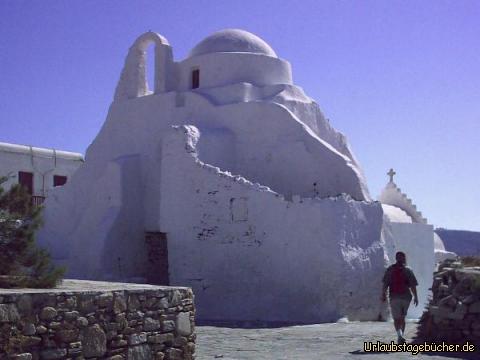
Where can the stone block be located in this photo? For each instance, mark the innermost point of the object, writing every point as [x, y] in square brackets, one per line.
[91, 319]
[129, 331]
[119, 303]
[159, 356]
[86, 303]
[9, 313]
[168, 325]
[118, 343]
[158, 347]
[151, 302]
[459, 313]
[161, 338]
[25, 304]
[135, 315]
[174, 298]
[449, 301]
[179, 342]
[150, 324]
[136, 339]
[111, 326]
[111, 334]
[183, 325]
[71, 315]
[52, 354]
[44, 300]
[54, 325]
[48, 342]
[105, 300]
[24, 356]
[82, 322]
[439, 312]
[174, 354]
[116, 357]
[163, 303]
[94, 341]
[74, 352]
[29, 329]
[48, 313]
[118, 351]
[133, 302]
[75, 345]
[139, 352]
[190, 348]
[120, 317]
[469, 299]
[29, 341]
[66, 336]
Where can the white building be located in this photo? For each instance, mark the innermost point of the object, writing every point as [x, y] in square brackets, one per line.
[225, 177]
[37, 169]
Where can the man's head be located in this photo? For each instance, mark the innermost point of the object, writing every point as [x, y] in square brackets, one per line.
[401, 258]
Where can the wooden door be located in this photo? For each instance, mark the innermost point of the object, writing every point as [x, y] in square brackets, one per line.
[157, 264]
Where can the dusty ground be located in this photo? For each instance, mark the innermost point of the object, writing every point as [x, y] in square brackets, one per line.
[322, 341]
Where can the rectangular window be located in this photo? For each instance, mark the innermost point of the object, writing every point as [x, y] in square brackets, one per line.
[195, 79]
[59, 180]
[26, 180]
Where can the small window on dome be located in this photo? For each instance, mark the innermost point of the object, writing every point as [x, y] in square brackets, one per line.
[195, 78]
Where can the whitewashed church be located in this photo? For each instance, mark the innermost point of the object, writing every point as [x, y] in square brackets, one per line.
[226, 177]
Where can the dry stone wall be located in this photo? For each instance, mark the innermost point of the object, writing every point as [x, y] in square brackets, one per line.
[124, 322]
[453, 314]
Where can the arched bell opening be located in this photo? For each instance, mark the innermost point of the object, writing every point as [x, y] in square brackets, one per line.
[146, 67]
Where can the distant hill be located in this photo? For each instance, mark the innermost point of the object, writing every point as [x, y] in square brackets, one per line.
[461, 242]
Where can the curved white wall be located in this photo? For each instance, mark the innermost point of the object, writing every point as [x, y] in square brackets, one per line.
[218, 69]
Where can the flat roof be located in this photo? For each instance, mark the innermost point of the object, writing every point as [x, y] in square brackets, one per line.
[40, 152]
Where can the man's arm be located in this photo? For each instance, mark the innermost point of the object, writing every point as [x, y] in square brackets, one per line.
[386, 283]
[384, 292]
[412, 284]
[413, 289]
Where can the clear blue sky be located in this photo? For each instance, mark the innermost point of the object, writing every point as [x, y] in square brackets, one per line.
[400, 78]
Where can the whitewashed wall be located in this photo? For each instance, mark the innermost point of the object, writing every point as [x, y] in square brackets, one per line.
[251, 255]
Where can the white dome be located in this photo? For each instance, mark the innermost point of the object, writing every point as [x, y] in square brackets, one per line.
[438, 242]
[232, 40]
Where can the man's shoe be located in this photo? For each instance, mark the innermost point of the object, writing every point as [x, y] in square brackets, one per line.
[401, 340]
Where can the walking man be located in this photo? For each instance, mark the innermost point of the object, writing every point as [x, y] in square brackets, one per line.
[401, 282]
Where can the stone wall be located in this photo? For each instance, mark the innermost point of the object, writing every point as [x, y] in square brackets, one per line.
[453, 314]
[86, 320]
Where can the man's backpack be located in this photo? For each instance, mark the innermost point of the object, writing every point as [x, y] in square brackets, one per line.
[399, 280]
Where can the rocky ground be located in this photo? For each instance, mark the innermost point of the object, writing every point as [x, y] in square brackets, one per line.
[310, 342]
